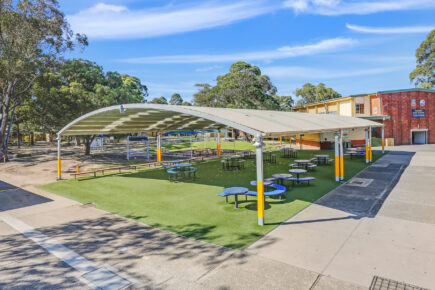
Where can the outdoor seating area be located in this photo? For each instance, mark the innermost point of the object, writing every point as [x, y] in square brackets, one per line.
[189, 195]
[178, 171]
[234, 162]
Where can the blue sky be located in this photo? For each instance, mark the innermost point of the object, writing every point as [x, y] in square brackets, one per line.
[352, 46]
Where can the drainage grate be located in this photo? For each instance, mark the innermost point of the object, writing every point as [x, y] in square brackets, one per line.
[362, 182]
[379, 283]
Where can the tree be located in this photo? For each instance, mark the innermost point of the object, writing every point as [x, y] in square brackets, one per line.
[424, 74]
[176, 99]
[185, 103]
[162, 100]
[242, 87]
[285, 103]
[311, 94]
[77, 87]
[203, 96]
[33, 34]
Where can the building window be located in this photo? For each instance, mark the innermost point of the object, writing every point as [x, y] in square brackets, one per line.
[332, 112]
[359, 109]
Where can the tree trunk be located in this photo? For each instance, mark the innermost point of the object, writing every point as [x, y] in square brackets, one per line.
[7, 96]
[88, 141]
[32, 139]
[78, 142]
[18, 136]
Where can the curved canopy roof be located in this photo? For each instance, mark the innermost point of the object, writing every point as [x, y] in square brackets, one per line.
[133, 118]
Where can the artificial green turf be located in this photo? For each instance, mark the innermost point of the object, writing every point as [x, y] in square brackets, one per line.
[193, 209]
[239, 145]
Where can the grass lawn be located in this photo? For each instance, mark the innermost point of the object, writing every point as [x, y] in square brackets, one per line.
[193, 209]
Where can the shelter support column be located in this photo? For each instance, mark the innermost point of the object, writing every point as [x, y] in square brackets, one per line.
[370, 144]
[159, 147]
[59, 162]
[280, 140]
[337, 157]
[260, 186]
[367, 145]
[218, 141]
[341, 156]
[383, 140]
[191, 149]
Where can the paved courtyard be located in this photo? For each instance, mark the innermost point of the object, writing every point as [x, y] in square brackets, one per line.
[47, 241]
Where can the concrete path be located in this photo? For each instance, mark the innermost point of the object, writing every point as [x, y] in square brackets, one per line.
[53, 242]
[355, 241]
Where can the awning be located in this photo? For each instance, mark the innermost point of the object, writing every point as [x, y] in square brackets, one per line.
[134, 118]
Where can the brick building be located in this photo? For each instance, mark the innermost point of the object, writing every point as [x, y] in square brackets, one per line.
[408, 116]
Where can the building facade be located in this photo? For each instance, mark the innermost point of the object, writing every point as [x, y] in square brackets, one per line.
[408, 116]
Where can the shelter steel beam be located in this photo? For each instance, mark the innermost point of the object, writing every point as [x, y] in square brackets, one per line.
[341, 156]
[260, 185]
[383, 140]
[59, 162]
[337, 157]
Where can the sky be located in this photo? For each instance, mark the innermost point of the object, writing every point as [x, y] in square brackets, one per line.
[352, 46]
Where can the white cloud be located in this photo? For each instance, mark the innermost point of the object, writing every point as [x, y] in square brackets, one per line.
[208, 68]
[391, 30]
[114, 21]
[327, 45]
[309, 73]
[340, 7]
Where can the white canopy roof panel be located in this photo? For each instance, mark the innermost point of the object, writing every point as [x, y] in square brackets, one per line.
[133, 118]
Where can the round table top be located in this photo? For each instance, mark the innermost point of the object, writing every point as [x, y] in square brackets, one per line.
[282, 175]
[302, 161]
[236, 190]
[322, 156]
[267, 183]
[297, 171]
[234, 157]
[184, 165]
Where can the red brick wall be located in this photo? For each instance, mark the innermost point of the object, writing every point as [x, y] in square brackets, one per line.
[398, 107]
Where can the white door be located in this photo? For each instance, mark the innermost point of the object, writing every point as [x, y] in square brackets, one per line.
[419, 137]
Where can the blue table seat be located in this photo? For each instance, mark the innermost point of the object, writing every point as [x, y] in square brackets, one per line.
[279, 191]
[301, 179]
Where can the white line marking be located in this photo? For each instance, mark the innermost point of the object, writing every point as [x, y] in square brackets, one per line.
[65, 254]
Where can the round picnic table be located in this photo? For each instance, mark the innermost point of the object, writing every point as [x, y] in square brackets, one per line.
[236, 191]
[322, 158]
[183, 165]
[281, 177]
[298, 172]
[266, 183]
[303, 162]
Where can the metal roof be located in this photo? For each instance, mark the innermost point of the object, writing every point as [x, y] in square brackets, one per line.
[134, 118]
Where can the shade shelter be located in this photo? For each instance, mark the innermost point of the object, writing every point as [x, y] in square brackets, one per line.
[134, 118]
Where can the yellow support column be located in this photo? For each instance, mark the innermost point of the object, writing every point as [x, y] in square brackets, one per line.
[260, 185]
[280, 140]
[367, 145]
[218, 141]
[337, 158]
[159, 147]
[59, 161]
[341, 156]
[383, 140]
[370, 144]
